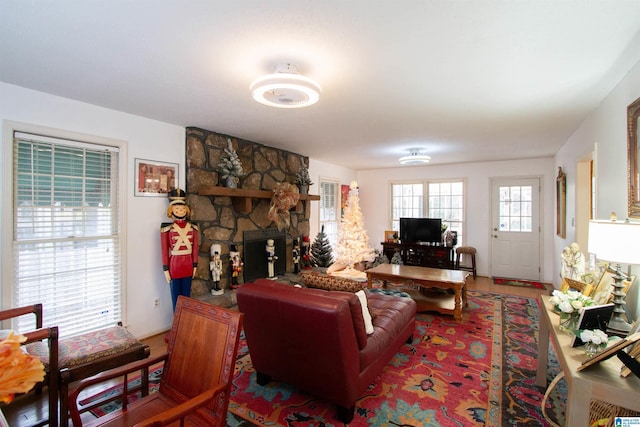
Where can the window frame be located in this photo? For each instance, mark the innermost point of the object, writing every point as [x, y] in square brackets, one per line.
[337, 205]
[7, 294]
[425, 200]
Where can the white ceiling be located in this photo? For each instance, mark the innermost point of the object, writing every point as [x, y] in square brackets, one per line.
[462, 80]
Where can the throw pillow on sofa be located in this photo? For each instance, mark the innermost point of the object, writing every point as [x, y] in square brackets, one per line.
[368, 322]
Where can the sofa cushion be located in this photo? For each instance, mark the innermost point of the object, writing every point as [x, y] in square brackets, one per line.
[314, 279]
[391, 315]
[356, 311]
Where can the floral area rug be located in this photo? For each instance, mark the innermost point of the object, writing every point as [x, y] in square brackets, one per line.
[155, 372]
[478, 372]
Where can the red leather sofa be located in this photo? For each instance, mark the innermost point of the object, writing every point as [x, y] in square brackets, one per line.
[316, 340]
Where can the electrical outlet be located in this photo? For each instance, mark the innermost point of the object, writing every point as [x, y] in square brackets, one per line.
[156, 302]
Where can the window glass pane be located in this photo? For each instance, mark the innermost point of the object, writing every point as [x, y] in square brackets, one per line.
[66, 233]
[446, 201]
[407, 200]
[515, 208]
[329, 208]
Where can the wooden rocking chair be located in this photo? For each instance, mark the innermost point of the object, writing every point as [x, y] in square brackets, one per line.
[196, 379]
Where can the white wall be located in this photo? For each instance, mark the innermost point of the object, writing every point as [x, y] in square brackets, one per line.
[606, 127]
[146, 139]
[375, 201]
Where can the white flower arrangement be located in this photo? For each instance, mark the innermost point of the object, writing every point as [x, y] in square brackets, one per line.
[569, 301]
[595, 336]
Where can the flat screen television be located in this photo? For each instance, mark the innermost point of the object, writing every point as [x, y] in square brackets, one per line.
[420, 230]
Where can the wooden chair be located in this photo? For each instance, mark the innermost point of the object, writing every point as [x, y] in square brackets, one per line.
[469, 251]
[197, 374]
[38, 337]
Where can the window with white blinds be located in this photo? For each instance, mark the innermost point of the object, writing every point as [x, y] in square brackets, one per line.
[66, 232]
[329, 209]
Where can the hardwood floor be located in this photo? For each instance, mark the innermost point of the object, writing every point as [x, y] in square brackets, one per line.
[32, 407]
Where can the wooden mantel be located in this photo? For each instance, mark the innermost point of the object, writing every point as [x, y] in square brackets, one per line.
[241, 197]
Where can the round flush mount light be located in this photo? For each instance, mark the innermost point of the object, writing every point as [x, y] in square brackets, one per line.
[286, 88]
[414, 158]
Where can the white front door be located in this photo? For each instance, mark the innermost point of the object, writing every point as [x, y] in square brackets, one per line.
[515, 234]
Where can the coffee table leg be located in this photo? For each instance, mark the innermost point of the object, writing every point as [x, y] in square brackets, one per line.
[457, 312]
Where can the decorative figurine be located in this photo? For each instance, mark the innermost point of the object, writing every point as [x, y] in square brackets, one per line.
[216, 269]
[179, 241]
[573, 263]
[271, 259]
[306, 260]
[296, 255]
[235, 266]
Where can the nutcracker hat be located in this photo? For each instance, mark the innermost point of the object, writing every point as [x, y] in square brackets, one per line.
[177, 197]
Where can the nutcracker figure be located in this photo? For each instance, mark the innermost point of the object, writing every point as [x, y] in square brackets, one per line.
[296, 255]
[306, 259]
[215, 265]
[235, 266]
[271, 259]
[179, 242]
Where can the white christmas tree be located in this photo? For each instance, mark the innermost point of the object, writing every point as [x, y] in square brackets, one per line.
[353, 243]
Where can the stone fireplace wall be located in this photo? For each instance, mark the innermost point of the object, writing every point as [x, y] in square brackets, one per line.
[218, 221]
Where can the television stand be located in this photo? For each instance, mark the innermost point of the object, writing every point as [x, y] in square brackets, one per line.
[421, 254]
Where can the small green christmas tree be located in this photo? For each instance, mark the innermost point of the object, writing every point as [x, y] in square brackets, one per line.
[321, 253]
[230, 167]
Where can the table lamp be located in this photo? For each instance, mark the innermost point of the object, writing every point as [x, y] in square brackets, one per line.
[617, 242]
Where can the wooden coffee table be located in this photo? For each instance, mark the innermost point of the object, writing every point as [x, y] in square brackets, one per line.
[427, 280]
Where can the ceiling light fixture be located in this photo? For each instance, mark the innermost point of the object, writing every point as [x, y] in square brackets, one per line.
[286, 88]
[414, 158]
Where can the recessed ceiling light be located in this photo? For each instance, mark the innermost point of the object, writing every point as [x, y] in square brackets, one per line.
[286, 88]
[414, 158]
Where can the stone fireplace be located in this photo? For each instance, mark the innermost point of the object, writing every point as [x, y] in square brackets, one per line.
[219, 219]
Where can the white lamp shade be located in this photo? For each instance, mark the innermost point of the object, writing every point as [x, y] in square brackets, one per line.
[615, 241]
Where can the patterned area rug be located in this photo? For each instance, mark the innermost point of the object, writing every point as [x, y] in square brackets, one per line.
[478, 372]
[517, 282]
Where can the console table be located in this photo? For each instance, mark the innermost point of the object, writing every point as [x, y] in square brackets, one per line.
[599, 382]
[421, 255]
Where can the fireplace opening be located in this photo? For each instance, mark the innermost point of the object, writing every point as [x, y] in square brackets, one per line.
[255, 253]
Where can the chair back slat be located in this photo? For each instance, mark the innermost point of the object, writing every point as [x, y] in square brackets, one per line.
[202, 348]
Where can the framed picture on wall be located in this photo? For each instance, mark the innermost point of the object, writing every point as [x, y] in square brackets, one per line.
[154, 178]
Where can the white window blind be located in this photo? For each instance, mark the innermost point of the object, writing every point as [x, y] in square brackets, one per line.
[329, 208]
[66, 232]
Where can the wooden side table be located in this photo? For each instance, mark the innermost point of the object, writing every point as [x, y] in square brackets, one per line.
[599, 382]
